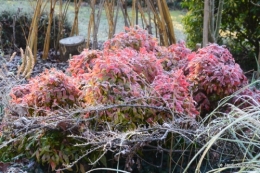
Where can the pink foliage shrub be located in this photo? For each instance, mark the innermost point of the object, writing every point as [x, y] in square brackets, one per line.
[213, 74]
[49, 91]
[121, 77]
[128, 77]
[83, 63]
[179, 50]
[134, 37]
[246, 98]
[112, 79]
[173, 88]
[220, 52]
[179, 55]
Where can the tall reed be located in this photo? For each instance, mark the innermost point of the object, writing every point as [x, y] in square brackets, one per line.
[48, 33]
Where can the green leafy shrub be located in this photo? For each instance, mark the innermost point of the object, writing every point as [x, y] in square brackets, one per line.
[45, 142]
[193, 22]
[50, 148]
[49, 91]
[240, 34]
[22, 28]
[54, 148]
[175, 4]
[214, 75]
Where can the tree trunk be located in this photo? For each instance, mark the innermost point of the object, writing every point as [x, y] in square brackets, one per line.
[206, 23]
[211, 21]
[96, 26]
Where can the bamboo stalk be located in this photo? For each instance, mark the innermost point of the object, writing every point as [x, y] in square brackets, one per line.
[133, 13]
[115, 20]
[62, 17]
[124, 12]
[35, 44]
[75, 26]
[90, 23]
[142, 14]
[162, 24]
[109, 9]
[169, 24]
[149, 27]
[136, 13]
[46, 46]
[156, 26]
[32, 37]
[152, 8]
[157, 21]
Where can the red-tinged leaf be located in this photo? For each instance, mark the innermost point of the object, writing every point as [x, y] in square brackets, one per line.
[116, 91]
[53, 165]
[59, 95]
[71, 97]
[150, 120]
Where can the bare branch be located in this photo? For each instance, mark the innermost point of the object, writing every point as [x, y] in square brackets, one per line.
[258, 5]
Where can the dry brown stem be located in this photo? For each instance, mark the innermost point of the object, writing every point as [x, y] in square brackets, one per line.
[48, 33]
[28, 62]
[12, 56]
[75, 26]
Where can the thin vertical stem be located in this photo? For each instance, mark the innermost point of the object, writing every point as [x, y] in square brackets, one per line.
[100, 8]
[90, 24]
[163, 33]
[46, 46]
[169, 24]
[75, 27]
[133, 13]
[124, 11]
[218, 20]
[14, 39]
[136, 13]
[115, 20]
[205, 39]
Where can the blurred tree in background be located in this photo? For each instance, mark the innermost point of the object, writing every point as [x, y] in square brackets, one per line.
[239, 28]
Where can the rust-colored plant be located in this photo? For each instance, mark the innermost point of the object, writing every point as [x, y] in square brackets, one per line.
[83, 63]
[47, 92]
